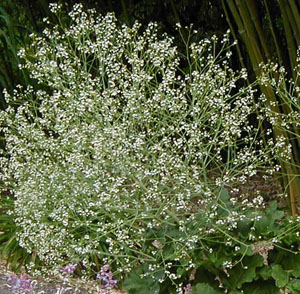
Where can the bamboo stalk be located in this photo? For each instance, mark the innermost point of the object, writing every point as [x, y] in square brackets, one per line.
[242, 16]
[293, 199]
[290, 25]
[243, 34]
[126, 15]
[279, 55]
[293, 24]
[296, 14]
[250, 29]
[252, 6]
[234, 37]
[288, 34]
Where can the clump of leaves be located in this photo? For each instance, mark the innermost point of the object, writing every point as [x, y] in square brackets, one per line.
[247, 260]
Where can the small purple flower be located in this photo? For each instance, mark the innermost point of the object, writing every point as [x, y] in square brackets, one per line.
[22, 284]
[106, 278]
[187, 289]
[69, 269]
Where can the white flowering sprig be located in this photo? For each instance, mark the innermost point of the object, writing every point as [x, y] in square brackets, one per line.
[117, 142]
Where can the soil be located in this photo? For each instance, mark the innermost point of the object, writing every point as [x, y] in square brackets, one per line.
[268, 188]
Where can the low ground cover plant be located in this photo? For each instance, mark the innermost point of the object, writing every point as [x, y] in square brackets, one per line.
[126, 155]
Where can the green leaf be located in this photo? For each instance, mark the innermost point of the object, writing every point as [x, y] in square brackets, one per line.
[261, 287]
[168, 252]
[136, 284]
[219, 256]
[180, 271]
[280, 276]
[239, 275]
[268, 221]
[244, 226]
[273, 212]
[291, 262]
[225, 204]
[265, 272]
[204, 288]
[224, 195]
[294, 286]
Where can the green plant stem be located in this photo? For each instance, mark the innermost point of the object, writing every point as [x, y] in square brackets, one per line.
[241, 58]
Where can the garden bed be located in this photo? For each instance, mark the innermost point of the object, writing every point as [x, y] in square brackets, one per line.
[51, 285]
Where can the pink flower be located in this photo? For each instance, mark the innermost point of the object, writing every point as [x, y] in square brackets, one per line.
[106, 278]
[187, 289]
[69, 269]
[22, 284]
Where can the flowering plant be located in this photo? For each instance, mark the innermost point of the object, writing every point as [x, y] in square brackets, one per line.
[120, 154]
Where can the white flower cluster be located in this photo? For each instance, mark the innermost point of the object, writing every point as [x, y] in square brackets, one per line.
[118, 141]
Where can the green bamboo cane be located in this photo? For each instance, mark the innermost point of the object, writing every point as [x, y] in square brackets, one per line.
[246, 41]
[289, 35]
[279, 54]
[292, 34]
[293, 24]
[241, 58]
[290, 168]
[243, 20]
[243, 34]
[252, 7]
[295, 11]
[255, 45]
[253, 57]
[125, 11]
[250, 29]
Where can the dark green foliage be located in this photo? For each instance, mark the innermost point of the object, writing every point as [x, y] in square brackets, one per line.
[204, 288]
[244, 272]
[148, 285]
[251, 272]
[258, 287]
[267, 223]
[11, 39]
